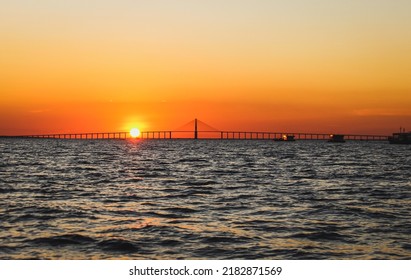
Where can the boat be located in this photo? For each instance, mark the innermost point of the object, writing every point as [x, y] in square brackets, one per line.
[288, 138]
[336, 138]
[400, 138]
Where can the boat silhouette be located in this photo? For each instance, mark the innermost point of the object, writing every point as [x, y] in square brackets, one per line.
[400, 138]
[288, 138]
[336, 138]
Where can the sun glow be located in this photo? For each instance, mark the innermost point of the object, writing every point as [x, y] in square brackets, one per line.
[135, 132]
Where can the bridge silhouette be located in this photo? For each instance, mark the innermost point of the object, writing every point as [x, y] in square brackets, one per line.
[197, 129]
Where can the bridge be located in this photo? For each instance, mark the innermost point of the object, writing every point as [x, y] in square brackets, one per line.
[197, 129]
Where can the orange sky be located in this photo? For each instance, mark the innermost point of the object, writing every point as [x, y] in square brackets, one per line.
[84, 66]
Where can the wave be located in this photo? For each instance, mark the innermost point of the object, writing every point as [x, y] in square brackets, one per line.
[118, 245]
[63, 240]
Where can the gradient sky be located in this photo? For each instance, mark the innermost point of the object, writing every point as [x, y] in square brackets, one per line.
[101, 65]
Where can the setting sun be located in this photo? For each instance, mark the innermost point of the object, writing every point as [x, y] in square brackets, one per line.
[135, 132]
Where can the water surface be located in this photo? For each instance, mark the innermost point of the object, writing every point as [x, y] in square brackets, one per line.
[204, 199]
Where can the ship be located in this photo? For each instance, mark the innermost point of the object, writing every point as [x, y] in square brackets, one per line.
[288, 138]
[400, 138]
[336, 138]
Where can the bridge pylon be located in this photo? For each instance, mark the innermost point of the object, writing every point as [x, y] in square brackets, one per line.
[195, 129]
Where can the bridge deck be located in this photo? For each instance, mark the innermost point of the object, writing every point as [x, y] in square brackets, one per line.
[227, 135]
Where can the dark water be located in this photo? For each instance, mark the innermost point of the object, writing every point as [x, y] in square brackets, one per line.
[185, 199]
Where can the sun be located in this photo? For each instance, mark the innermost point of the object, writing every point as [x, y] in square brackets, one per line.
[135, 132]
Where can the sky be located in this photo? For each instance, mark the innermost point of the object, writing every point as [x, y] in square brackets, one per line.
[322, 66]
